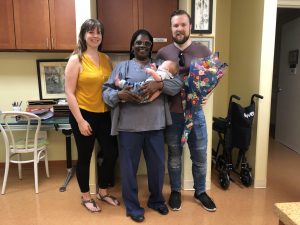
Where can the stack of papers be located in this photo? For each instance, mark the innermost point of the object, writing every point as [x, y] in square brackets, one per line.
[42, 108]
[61, 110]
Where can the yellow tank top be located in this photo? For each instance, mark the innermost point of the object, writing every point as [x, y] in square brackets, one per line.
[89, 84]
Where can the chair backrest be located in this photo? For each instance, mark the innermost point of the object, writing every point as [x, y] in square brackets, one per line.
[28, 123]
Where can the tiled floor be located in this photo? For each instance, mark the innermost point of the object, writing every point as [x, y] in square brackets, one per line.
[236, 206]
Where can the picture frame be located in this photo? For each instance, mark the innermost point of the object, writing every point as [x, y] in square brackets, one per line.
[51, 78]
[202, 16]
[207, 41]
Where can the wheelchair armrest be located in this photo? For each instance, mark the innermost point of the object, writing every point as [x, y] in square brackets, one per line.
[219, 119]
[219, 124]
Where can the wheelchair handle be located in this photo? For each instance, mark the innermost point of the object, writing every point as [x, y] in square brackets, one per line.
[234, 96]
[230, 101]
[256, 96]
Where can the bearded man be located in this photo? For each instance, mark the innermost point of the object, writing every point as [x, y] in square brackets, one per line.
[183, 50]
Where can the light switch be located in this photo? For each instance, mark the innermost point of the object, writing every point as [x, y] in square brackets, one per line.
[293, 71]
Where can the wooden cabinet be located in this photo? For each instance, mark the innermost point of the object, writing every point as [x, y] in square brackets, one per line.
[154, 16]
[7, 31]
[120, 20]
[40, 24]
[32, 25]
[62, 24]
[123, 17]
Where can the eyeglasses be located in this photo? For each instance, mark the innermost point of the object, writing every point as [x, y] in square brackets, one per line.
[147, 44]
[181, 59]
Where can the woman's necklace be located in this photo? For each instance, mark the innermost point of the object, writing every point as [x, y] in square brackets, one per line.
[140, 66]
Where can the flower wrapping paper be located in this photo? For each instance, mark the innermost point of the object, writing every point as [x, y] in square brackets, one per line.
[205, 73]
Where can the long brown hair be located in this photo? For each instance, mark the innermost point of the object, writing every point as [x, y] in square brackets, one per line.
[88, 25]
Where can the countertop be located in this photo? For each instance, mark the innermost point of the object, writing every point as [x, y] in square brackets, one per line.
[288, 212]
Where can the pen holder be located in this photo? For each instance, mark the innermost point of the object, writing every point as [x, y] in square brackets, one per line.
[17, 109]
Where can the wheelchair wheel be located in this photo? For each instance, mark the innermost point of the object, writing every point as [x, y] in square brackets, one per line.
[224, 180]
[246, 177]
[220, 163]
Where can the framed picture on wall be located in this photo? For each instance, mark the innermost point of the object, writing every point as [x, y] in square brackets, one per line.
[202, 16]
[51, 78]
[207, 41]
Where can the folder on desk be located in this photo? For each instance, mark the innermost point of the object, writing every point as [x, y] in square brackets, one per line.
[42, 102]
[44, 113]
[48, 108]
[42, 108]
[61, 110]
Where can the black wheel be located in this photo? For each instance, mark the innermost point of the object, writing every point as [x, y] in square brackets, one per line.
[246, 177]
[224, 180]
[214, 153]
[220, 163]
[213, 158]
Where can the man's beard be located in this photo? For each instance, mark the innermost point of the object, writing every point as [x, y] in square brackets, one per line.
[181, 41]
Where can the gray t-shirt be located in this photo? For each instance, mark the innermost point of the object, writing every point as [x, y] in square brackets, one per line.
[171, 52]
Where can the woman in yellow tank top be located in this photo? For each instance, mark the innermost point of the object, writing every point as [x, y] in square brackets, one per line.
[86, 71]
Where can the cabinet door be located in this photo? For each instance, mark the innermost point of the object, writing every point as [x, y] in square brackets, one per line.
[154, 16]
[32, 25]
[7, 31]
[120, 20]
[63, 24]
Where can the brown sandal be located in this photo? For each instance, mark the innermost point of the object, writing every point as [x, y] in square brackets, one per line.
[106, 198]
[92, 201]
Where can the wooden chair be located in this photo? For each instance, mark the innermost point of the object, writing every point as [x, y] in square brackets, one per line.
[21, 137]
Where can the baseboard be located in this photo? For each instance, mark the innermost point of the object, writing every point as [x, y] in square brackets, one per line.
[93, 188]
[260, 183]
[188, 185]
[52, 163]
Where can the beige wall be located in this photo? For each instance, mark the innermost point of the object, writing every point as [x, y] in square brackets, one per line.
[252, 37]
[222, 40]
[245, 44]
[19, 82]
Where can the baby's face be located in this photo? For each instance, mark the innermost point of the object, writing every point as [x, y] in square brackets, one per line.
[166, 65]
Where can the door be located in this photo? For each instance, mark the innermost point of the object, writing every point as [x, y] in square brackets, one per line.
[7, 32]
[63, 24]
[288, 102]
[120, 20]
[155, 17]
[32, 26]
[123, 17]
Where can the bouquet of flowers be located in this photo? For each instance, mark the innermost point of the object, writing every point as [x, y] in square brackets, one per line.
[205, 74]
